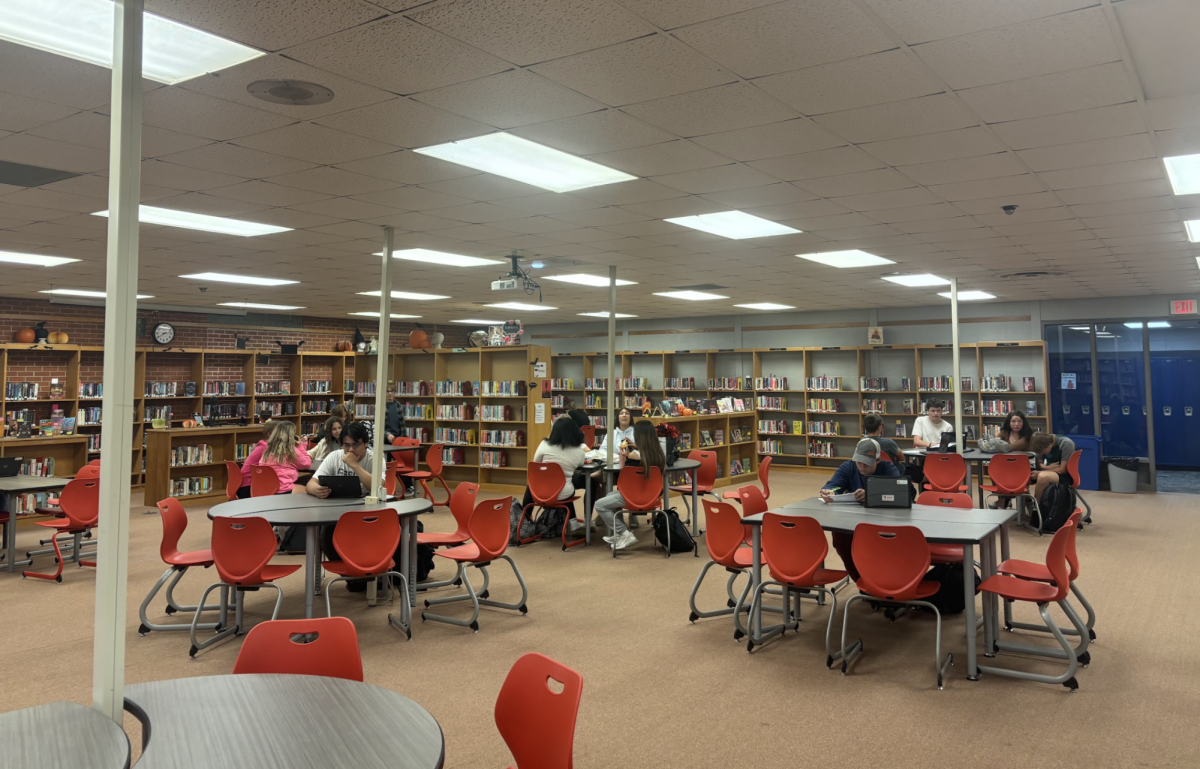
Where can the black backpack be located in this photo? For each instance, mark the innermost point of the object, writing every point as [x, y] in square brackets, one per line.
[949, 598]
[680, 541]
[1056, 505]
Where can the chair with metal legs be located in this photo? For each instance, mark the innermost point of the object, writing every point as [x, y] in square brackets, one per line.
[174, 522]
[366, 541]
[764, 471]
[945, 553]
[1073, 471]
[489, 540]
[321, 646]
[433, 459]
[945, 472]
[462, 504]
[703, 479]
[233, 479]
[527, 697]
[242, 549]
[726, 548]
[892, 562]
[1010, 478]
[79, 512]
[264, 481]
[545, 481]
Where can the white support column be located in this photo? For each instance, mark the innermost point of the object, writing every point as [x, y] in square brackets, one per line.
[611, 411]
[382, 365]
[957, 383]
[120, 315]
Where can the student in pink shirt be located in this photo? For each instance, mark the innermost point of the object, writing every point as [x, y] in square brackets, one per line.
[256, 455]
[286, 455]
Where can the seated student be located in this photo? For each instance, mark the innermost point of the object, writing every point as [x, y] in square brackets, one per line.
[648, 453]
[331, 440]
[1052, 452]
[564, 447]
[873, 428]
[1016, 431]
[927, 430]
[848, 478]
[286, 455]
[256, 455]
[353, 458]
[622, 436]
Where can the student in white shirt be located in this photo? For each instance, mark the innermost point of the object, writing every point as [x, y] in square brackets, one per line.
[927, 430]
[623, 432]
[353, 458]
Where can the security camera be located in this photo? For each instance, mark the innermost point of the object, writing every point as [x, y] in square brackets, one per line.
[203, 289]
[1010, 210]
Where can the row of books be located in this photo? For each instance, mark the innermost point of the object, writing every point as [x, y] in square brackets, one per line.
[317, 406]
[997, 384]
[93, 441]
[277, 408]
[635, 383]
[773, 427]
[223, 389]
[715, 438]
[493, 458]
[562, 384]
[191, 455]
[418, 388]
[824, 428]
[502, 414]
[90, 416]
[874, 406]
[453, 456]
[364, 410]
[416, 410]
[364, 388]
[190, 487]
[420, 433]
[739, 467]
[941, 384]
[274, 387]
[38, 467]
[879, 384]
[316, 386]
[515, 388]
[242, 450]
[771, 383]
[167, 389]
[634, 401]
[558, 401]
[464, 412]
[509, 438]
[595, 383]
[591, 401]
[770, 403]
[823, 383]
[91, 389]
[770, 446]
[679, 383]
[26, 502]
[825, 405]
[728, 383]
[454, 436]
[217, 411]
[451, 387]
[822, 449]
[156, 412]
[21, 391]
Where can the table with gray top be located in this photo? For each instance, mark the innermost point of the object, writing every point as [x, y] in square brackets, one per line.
[978, 459]
[280, 722]
[61, 734]
[313, 513]
[943, 525]
[16, 484]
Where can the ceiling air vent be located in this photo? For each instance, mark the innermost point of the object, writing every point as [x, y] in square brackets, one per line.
[1031, 274]
[297, 93]
[698, 287]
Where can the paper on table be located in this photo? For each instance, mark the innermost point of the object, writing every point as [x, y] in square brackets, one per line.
[840, 498]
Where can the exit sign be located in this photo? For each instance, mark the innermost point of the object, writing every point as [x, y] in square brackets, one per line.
[1183, 306]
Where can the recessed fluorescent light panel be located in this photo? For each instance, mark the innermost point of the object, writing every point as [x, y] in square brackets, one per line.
[734, 224]
[83, 30]
[515, 158]
[521, 306]
[1151, 324]
[969, 296]
[440, 257]
[245, 280]
[691, 296]
[917, 280]
[846, 259]
[376, 315]
[81, 292]
[185, 219]
[588, 280]
[406, 295]
[1193, 230]
[605, 314]
[257, 306]
[34, 260]
[1084, 329]
[766, 306]
[478, 322]
[1184, 173]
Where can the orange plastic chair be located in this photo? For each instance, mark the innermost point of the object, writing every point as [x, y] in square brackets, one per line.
[589, 435]
[704, 478]
[753, 503]
[87, 472]
[433, 458]
[892, 562]
[1073, 471]
[546, 480]
[764, 471]
[326, 646]
[489, 540]
[945, 472]
[174, 523]
[1012, 588]
[794, 548]
[404, 459]
[641, 489]
[462, 505]
[233, 479]
[1040, 573]
[242, 549]
[78, 512]
[366, 541]
[724, 538]
[264, 481]
[525, 698]
[1010, 478]
[946, 553]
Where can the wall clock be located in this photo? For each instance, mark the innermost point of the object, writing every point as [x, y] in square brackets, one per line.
[164, 333]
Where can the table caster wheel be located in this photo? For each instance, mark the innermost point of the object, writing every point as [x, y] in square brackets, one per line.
[1091, 634]
[58, 579]
[730, 603]
[427, 604]
[143, 630]
[1085, 659]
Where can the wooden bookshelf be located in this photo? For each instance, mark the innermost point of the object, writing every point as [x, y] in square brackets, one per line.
[222, 441]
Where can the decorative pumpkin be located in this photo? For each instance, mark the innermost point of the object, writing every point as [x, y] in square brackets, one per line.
[344, 346]
[58, 337]
[26, 336]
[418, 339]
[189, 423]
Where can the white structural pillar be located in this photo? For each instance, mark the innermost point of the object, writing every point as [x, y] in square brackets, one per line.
[120, 316]
[611, 411]
[382, 364]
[957, 383]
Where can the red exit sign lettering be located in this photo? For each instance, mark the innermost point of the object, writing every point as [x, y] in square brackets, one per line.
[1183, 307]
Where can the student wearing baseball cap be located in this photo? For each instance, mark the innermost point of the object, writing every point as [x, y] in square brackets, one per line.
[849, 478]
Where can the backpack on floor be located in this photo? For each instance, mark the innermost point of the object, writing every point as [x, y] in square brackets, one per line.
[528, 529]
[291, 539]
[1056, 505]
[949, 598]
[680, 540]
[550, 523]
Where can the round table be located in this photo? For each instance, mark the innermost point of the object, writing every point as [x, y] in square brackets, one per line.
[312, 513]
[683, 464]
[281, 722]
[60, 734]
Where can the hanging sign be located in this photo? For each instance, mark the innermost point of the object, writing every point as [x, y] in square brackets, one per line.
[1183, 307]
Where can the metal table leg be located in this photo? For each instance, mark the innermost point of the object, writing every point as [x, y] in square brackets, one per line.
[755, 581]
[987, 560]
[969, 613]
[695, 505]
[10, 533]
[408, 555]
[311, 546]
[587, 509]
[979, 480]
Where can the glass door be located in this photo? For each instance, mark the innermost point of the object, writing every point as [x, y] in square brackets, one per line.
[1121, 385]
[1069, 348]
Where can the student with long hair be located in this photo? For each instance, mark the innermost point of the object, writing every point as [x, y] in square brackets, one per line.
[1016, 431]
[564, 447]
[286, 455]
[256, 455]
[648, 453]
[331, 439]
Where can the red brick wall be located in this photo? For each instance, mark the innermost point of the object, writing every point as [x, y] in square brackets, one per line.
[38, 366]
[91, 367]
[169, 367]
[225, 368]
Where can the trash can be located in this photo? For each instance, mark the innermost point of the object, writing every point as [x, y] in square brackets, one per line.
[1122, 474]
[1089, 461]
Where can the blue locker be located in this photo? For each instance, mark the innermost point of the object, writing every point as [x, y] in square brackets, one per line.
[1175, 378]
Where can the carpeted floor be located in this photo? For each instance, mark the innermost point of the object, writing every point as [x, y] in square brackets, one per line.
[661, 692]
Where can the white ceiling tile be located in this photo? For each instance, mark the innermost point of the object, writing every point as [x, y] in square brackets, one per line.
[1077, 89]
[1129, 206]
[477, 213]
[1179, 141]
[345, 208]
[732, 177]
[1089, 153]
[1039, 47]
[914, 196]
[919, 21]
[529, 31]
[91, 130]
[415, 222]
[510, 99]
[333, 181]
[1034, 228]
[533, 225]
[670, 14]
[267, 193]
[41, 198]
[315, 144]
[964, 169]
[195, 114]
[724, 108]
[49, 77]
[1130, 230]
[811, 165]
[595, 132]
[659, 159]
[547, 203]
[632, 191]
[800, 210]
[407, 168]
[639, 70]
[398, 55]
[1109, 173]
[953, 239]
[786, 36]
[412, 199]
[861, 182]
[232, 159]
[203, 203]
[754, 197]
[934, 211]
[32, 213]
[1179, 112]
[405, 123]
[20, 113]
[1162, 42]
[164, 174]
[859, 82]
[927, 114]
[36, 151]
[96, 186]
[771, 140]
[1143, 189]
[947, 145]
[289, 23]
[483, 187]
[675, 207]
[600, 217]
[1085, 125]
[937, 225]
[995, 205]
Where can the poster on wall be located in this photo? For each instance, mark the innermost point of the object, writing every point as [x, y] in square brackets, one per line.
[539, 370]
[1068, 381]
[875, 335]
[539, 413]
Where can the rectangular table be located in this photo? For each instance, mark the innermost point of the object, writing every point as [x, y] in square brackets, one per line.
[944, 525]
[17, 484]
[978, 459]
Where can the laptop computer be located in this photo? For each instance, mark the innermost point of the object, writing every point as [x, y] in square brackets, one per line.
[946, 443]
[10, 466]
[342, 486]
[888, 492]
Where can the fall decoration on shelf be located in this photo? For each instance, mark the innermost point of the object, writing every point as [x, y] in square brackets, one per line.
[26, 336]
[344, 346]
[665, 430]
[58, 337]
[189, 423]
[418, 339]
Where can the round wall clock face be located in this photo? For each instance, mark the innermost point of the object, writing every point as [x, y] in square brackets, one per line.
[164, 333]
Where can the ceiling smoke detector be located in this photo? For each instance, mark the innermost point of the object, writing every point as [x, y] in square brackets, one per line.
[297, 93]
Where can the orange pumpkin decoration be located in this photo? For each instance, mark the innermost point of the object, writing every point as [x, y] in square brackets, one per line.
[189, 423]
[344, 346]
[57, 337]
[418, 340]
[26, 336]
